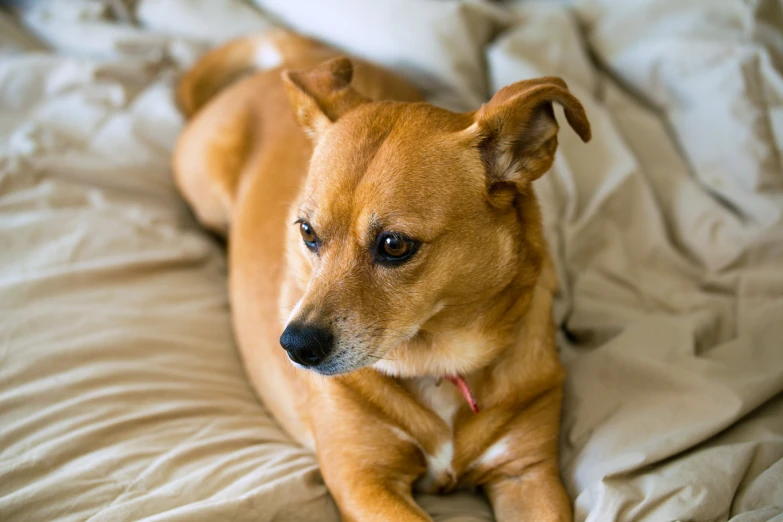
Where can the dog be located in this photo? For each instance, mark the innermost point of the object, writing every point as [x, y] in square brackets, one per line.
[390, 285]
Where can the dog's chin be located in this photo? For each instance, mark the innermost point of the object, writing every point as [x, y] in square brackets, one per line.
[338, 365]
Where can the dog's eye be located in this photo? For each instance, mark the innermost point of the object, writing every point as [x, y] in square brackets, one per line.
[308, 235]
[394, 248]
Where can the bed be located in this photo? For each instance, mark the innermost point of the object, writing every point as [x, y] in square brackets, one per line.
[122, 396]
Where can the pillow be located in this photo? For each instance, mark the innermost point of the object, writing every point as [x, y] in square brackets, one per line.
[437, 45]
[205, 20]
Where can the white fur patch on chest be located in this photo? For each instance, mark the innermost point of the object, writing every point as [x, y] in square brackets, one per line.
[440, 474]
[444, 399]
[438, 395]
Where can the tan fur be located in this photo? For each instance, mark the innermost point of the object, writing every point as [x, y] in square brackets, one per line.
[475, 300]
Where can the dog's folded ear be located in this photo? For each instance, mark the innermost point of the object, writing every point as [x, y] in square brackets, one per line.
[516, 133]
[321, 95]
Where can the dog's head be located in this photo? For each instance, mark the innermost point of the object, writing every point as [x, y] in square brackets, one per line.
[412, 219]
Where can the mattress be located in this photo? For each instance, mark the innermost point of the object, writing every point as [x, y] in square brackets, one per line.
[122, 396]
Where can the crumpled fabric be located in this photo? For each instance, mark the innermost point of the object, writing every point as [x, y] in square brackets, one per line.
[121, 393]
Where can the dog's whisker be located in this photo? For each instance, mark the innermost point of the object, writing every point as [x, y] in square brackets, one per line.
[469, 303]
[376, 357]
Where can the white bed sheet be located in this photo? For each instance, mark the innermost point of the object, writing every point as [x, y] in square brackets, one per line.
[121, 394]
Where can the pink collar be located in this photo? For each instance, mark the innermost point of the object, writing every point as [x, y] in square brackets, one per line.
[460, 383]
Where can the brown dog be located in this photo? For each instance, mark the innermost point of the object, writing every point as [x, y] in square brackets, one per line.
[394, 244]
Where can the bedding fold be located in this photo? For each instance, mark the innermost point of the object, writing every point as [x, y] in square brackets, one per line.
[121, 393]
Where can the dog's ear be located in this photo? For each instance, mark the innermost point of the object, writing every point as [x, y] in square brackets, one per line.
[321, 95]
[516, 134]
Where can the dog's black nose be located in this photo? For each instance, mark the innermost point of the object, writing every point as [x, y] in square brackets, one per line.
[307, 345]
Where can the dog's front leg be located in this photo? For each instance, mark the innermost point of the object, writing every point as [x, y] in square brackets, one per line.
[370, 500]
[373, 482]
[537, 495]
[368, 468]
[368, 433]
[526, 487]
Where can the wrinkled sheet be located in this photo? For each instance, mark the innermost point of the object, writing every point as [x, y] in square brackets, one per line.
[121, 393]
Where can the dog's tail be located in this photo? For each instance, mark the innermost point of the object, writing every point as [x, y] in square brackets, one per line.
[224, 65]
[274, 49]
